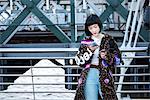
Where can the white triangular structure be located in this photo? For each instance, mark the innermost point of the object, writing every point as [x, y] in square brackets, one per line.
[39, 71]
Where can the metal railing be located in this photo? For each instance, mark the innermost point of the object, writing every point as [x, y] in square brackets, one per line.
[72, 83]
[73, 66]
[32, 75]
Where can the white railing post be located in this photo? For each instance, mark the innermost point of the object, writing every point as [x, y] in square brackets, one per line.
[128, 24]
[134, 23]
[126, 61]
[47, 4]
[84, 4]
[11, 5]
[128, 54]
[139, 23]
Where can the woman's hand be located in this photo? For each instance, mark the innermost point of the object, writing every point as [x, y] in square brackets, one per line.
[93, 48]
[103, 54]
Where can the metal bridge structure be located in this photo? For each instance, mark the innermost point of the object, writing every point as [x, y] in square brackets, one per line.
[32, 30]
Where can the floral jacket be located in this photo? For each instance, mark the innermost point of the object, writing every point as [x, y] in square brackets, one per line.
[105, 67]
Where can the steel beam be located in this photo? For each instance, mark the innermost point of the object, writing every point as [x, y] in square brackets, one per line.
[31, 7]
[115, 5]
[3, 7]
[109, 10]
[72, 20]
[7, 34]
[104, 16]
[53, 28]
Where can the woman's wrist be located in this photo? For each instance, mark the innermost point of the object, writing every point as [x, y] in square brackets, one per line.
[103, 54]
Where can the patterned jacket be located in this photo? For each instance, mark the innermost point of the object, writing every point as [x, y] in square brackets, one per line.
[105, 67]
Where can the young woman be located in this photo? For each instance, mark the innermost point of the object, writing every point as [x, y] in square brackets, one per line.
[98, 55]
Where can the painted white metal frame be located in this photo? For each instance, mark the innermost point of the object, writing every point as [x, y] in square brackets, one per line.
[133, 31]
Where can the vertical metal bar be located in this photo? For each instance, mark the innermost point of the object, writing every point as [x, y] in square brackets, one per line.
[138, 30]
[123, 70]
[68, 71]
[75, 21]
[84, 4]
[32, 74]
[1, 72]
[128, 24]
[134, 23]
[72, 20]
[11, 5]
[139, 24]
[47, 4]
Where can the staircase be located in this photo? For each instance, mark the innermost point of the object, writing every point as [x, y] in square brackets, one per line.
[33, 42]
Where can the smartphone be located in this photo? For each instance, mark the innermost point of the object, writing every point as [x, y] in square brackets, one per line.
[94, 44]
[89, 42]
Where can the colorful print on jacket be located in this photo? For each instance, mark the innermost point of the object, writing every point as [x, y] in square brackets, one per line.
[105, 67]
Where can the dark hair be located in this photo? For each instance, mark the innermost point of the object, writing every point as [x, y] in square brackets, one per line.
[92, 19]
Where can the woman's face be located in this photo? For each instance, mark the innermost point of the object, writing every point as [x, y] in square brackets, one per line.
[94, 29]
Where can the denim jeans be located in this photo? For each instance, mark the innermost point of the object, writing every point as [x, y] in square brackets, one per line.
[92, 86]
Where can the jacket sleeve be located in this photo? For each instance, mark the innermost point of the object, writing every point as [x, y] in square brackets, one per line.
[117, 59]
[83, 56]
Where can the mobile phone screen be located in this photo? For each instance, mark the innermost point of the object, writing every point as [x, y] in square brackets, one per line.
[94, 44]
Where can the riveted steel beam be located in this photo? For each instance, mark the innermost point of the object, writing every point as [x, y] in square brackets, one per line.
[9, 32]
[49, 24]
[31, 6]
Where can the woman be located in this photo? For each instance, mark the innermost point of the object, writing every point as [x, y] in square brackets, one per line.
[98, 55]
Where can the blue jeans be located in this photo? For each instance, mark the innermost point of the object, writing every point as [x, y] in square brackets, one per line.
[92, 86]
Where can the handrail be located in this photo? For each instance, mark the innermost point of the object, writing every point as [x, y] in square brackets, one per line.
[70, 66]
[3, 58]
[71, 98]
[37, 49]
[134, 91]
[135, 49]
[72, 83]
[21, 75]
[73, 91]
[70, 91]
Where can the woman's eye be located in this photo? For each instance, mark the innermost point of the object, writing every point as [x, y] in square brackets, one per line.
[95, 26]
[90, 28]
